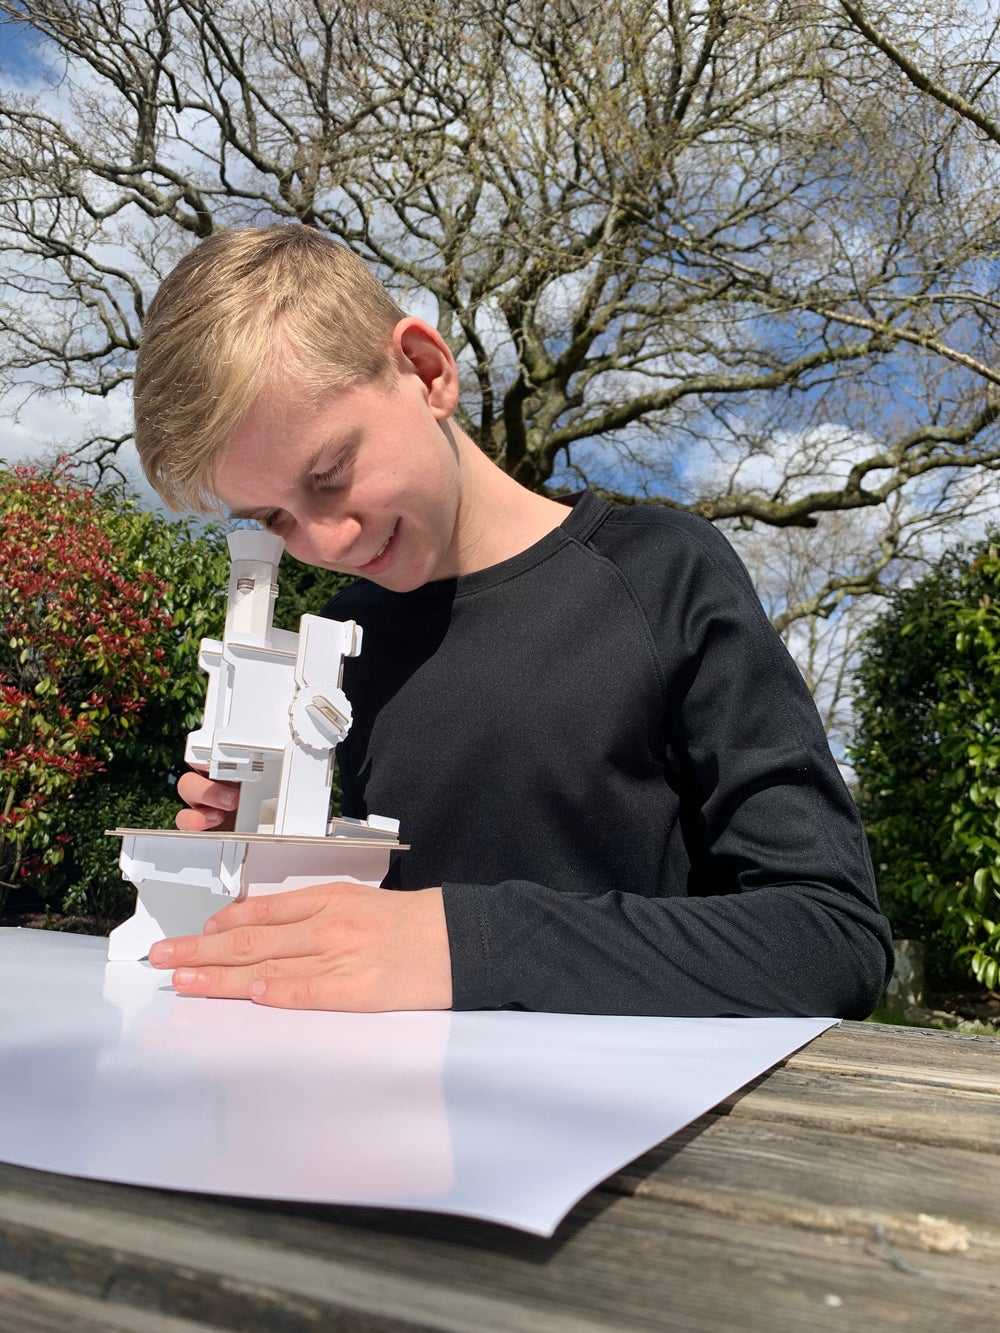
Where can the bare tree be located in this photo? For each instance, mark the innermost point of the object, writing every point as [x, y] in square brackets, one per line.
[804, 578]
[726, 255]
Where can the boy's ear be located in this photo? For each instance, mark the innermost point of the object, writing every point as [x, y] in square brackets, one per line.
[420, 350]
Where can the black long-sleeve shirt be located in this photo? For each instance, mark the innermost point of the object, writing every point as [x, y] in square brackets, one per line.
[603, 752]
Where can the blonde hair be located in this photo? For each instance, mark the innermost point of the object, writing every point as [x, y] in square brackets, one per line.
[241, 311]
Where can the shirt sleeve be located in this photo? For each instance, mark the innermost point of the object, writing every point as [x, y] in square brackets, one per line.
[783, 917]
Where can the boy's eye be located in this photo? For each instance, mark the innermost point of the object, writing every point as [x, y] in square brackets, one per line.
[321, 479]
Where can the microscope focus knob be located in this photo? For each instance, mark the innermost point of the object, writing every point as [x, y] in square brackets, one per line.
[320, 715]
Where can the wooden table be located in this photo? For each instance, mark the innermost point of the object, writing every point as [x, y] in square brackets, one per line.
[856, 1186]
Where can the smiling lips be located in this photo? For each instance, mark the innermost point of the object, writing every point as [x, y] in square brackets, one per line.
[370, 565]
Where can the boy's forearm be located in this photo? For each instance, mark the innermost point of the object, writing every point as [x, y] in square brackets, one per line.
[804, 949]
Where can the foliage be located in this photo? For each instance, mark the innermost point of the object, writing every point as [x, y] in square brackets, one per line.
[89, 883]
[926, 753]
[83, 639]
[304, 590]
[192, 562]
[101, 612]
[969, 722]
[733, 255]
[104, 606]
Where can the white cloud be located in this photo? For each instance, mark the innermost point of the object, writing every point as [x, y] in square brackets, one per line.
[45, 426]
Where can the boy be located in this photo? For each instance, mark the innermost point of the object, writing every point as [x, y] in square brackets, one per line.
[617, 789]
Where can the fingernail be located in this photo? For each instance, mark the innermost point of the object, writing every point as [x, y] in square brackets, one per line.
[161, 954]
[212, 816]
[230, 799]
[210, 926]
[257, 989]
[185, 976]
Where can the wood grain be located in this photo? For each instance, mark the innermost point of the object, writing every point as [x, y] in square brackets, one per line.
[955, 1061]
[923, 1198]
[28, 1308]
[632, 1264]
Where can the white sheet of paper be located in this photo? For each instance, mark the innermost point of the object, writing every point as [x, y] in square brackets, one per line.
[512, 1117]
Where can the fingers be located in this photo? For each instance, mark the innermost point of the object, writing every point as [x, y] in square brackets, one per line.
[291, 983]
[212, 804]
[250, 982]
[243, 946]
[203, 818]
[276, 909]
[311, 992]
[274, 949]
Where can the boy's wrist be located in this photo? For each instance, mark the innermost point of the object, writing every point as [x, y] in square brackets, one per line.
[431, 966]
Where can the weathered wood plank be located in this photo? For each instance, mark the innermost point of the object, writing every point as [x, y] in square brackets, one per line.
[956, 1061]
[881, 1109]
[627, 1263]
[918, 1197]
[27, 1308]
[235, 1282]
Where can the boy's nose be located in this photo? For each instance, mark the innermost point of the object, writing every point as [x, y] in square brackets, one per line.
[332, 541]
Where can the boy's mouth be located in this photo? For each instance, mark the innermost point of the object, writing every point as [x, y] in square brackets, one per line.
[372, 565]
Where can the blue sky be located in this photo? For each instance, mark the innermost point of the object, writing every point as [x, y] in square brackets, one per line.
[20, 57]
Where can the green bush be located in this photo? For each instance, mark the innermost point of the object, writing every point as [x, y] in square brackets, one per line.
[89, 882]
[927, 756]
[103, 605]
[969, 722]
[137, 787]
[304, 590]
[84, 640]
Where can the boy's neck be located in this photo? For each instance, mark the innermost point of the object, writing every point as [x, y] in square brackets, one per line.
[498, 517]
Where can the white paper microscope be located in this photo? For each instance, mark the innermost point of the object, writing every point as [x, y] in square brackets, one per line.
[274, 712]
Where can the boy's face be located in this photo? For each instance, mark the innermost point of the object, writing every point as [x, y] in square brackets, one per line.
[364, 481]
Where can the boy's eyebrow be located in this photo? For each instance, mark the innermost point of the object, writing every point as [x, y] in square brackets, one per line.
[245, 513]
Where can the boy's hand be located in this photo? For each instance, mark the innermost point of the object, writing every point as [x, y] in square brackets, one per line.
[212, 804]
[332, 946]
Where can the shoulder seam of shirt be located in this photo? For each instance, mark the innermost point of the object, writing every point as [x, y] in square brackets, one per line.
[648, 636]
[763, 622]
[737, 577]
